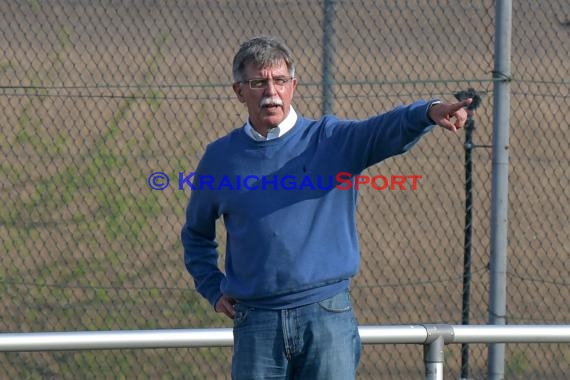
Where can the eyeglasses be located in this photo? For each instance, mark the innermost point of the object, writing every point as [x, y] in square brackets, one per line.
[263, 83]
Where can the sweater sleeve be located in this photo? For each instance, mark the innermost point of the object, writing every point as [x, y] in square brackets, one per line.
[199, 241]
[370, 141]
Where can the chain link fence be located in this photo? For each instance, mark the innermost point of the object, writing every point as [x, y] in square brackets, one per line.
[96, 96]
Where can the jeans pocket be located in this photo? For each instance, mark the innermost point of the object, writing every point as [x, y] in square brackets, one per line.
[338, 303]
[241, 314]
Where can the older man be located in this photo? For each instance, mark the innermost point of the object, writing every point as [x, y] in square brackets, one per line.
[292, 244]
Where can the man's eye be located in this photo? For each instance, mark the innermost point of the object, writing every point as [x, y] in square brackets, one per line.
[258, 83]
[280, 81]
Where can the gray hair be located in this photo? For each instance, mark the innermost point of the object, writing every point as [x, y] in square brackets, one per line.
[262, 51]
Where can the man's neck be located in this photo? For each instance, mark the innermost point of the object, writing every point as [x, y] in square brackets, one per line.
[272, 132]
[263, 131]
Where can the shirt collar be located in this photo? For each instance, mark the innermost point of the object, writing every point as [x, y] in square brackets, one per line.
[285, 126]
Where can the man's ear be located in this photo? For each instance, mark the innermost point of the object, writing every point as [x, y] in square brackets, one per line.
[239, 92]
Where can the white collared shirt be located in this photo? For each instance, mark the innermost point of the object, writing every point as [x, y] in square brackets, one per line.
[278, 131]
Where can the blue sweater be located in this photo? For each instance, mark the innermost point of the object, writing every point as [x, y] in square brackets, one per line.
[291, 231]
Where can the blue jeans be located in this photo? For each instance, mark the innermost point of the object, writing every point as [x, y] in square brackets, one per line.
[316, 341]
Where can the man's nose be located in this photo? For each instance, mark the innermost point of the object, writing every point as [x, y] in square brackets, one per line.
[270, 89]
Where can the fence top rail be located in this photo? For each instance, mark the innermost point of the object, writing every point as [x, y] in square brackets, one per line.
[223, 337]
[511, 334]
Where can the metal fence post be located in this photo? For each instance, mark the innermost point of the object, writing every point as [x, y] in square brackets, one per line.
[500, 187]
[328, 56]
[437, 336]
[468, 229]
[433, 358]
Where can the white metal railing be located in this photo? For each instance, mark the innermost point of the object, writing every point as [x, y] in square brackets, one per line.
[432, 336]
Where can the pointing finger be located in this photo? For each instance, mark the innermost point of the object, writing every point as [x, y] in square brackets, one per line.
[461, 104]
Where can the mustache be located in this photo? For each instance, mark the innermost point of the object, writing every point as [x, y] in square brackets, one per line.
[270, 101]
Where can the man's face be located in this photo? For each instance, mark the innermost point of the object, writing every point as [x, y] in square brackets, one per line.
[269, 102]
